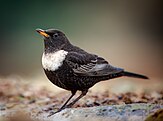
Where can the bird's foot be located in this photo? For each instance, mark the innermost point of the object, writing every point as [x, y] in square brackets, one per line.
[52, 113]
[67, 106]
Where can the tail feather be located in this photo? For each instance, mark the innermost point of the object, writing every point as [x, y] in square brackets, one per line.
[130, 74]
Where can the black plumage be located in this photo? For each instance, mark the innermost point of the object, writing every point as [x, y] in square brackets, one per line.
[72, 68]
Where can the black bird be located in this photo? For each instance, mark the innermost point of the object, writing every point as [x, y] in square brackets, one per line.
[74, 69]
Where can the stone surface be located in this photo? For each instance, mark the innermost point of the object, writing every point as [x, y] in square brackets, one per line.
[126, 112]
[130, 112]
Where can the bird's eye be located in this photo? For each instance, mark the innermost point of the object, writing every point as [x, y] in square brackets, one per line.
[55, 35]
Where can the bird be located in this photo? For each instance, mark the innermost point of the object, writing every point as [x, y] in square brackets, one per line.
[72, 68]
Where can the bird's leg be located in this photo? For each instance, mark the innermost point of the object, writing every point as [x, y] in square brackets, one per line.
[64, 105]
[73, 93]
[78, 98]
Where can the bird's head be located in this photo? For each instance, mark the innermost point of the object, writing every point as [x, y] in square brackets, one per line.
[53, 39]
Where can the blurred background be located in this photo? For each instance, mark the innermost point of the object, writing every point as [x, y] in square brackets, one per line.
[126, 33]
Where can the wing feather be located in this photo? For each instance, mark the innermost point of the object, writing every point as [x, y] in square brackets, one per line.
[90, 65]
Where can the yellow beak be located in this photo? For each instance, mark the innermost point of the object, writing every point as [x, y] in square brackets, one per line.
[42, 32]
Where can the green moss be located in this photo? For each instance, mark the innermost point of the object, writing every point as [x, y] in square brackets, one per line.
[142, 106]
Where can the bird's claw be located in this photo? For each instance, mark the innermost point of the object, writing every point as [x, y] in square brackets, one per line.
[52, 113]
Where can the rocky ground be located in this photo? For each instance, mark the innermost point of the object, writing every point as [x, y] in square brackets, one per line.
[21, 102]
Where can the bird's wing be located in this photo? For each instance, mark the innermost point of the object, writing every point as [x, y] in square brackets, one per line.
[89, 65]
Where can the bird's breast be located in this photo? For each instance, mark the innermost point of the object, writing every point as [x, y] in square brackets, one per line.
[52, 61]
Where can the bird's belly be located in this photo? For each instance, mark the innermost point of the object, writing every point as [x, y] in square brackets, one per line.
[65, 78]
[54, 78]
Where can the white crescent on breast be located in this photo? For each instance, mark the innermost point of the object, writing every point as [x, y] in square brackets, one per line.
[52, 61]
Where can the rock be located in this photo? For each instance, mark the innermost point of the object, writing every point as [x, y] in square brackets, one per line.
[129, 112]
[157, 116]
[126, 112]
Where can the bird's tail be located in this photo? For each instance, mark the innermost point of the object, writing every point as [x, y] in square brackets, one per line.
[130, 74]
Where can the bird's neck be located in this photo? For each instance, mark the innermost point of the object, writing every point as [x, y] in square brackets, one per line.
[54, 47]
